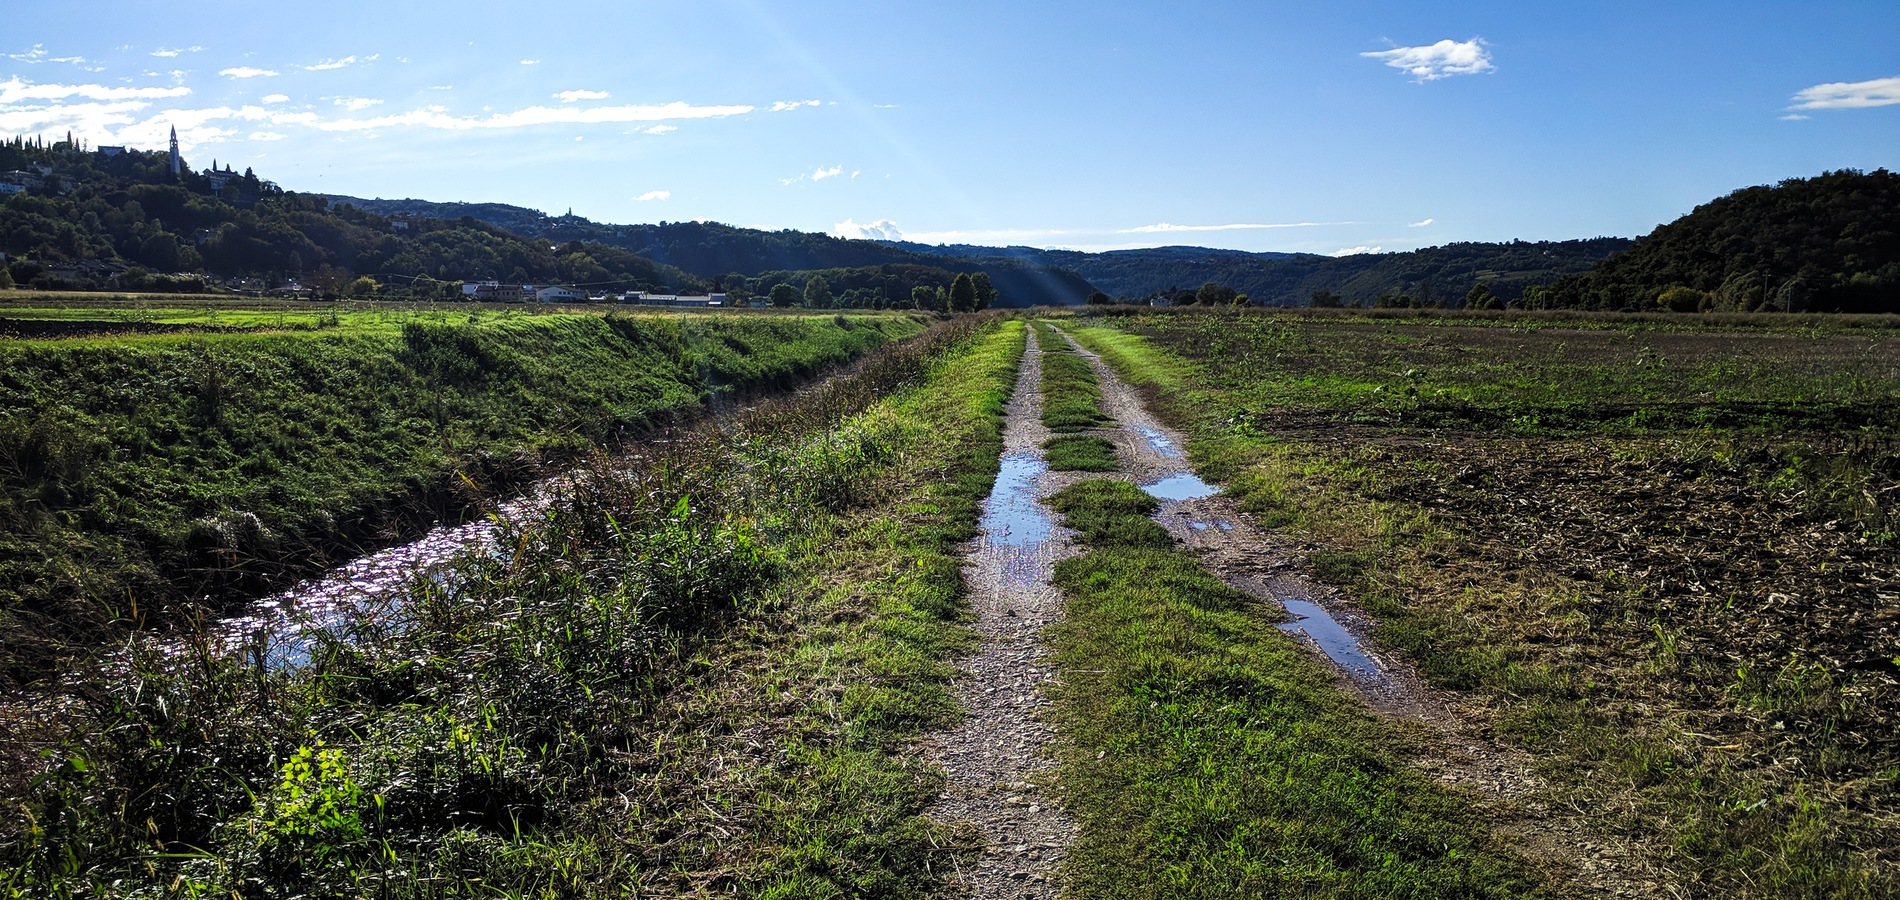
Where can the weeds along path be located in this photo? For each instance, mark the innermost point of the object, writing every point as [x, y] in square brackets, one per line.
[997, 760]
[1272, 568]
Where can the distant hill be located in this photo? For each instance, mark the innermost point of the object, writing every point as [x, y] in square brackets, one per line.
[711, 250]
[1290, 279]
[89, 220]
[1828, 243]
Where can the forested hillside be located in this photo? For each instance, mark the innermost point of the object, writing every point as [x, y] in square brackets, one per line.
[760, 259]
[1422, 277]
[125, 222]
[1828, 243]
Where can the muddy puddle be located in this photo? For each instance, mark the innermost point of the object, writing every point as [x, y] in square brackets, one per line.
[1180, 486]
[1319, 626]
[1159, 442]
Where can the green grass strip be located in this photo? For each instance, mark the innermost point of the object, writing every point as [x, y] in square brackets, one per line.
[1205, 754]
[1080, 453]
[1071, 398]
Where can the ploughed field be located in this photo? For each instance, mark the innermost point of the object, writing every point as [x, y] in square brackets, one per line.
[1663, 556]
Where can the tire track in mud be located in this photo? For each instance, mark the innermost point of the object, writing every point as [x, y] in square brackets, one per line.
[999, 760]
[1501, 780]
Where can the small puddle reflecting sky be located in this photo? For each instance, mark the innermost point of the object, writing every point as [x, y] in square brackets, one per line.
[1013, 518]
[1338, 644]
[1181, 486]
[1161, 443]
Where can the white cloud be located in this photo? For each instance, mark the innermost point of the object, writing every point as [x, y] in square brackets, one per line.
[880, 230]
[276, 98]
[1441, 60]
[572, 96]
[1165, 227]
[530, 62]
[165, 53]
[330, 64]
[535, 115]
[32, 54]
[1794, 117]
[884, 106]
[1355, 251]
[660, 129]
[441, 87]
[654, 195]
[1423, 224]
[1849, 94]
[268, 136]
[356, 104]
[246, 72]
[819, 174]
[784, 105]
[14, 91]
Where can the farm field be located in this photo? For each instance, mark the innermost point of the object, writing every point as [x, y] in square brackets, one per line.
[1658, 558]
[1125, 604]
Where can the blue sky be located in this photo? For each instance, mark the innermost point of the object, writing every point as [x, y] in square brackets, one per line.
[1310, 127]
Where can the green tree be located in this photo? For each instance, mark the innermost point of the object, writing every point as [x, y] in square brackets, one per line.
[985, 292]
[1242, 301]
[784, 295]
[363, 287]
[1481, 297]
[1213, 294]
[6, 278]
[817, 293]
[1325, 299]
[962, 294]
[1100, 299]
[923, 297]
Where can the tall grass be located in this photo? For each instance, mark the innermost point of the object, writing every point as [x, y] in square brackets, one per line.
[141, 474]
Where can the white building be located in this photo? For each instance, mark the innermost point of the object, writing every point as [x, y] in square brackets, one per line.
[559, 294]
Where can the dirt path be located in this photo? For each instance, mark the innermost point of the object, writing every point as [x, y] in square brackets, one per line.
[1272, 567]
[998, 759]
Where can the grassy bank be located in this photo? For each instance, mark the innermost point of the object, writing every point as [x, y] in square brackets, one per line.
[699, 674]
[1205, 754]
[1661, 554]
[141, 471]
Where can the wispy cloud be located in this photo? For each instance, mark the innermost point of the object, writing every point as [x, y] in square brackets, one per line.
[530, 62]
[168, 53]
[356, 104]
[535, 115]
[880, 230]
[1794, 117]
[989, 236]
[654, 195]
[268, 136]
[819, 174]
[1355, 251]
[784, 105]
[1441, 60]
[573, 96]
[1164, 227]
[14, 91]
[276, 98]
[246, 72]
[1849, 94]
[1424, 224]
[31, 54]
[331, 64]
[660, 129]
